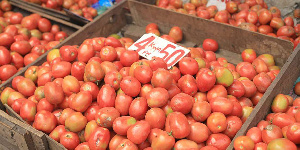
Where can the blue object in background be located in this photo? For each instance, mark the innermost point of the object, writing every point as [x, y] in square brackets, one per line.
[103, 5]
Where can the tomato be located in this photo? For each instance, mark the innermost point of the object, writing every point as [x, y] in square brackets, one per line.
[281, 144]
[265, 17]
[297, 89]
[126, 145]
[85, 52]
[17, 104]
[157, 97]
[53, 93]
[231, 7]
[234, 124]
[131, 86]
[236, 89]
[43, 104]
[281, 120]
[210, 56]
[216, 91]
[188, 65]
[212, 10]
[178, 125]
[28, 110]
[127, 58]
[220, 141]
[115, 141]
[270, 133]
[106, 96]
[122, 103]
[69, 140]
[143, 73]
[160, 139]
[222, 16]
[122, 124]
[185, 144]
[216, 122]
[45, 121]
[188, 85]
[68, 53]
[151, 26]
[111, 41]
[255, 134]
[146, 88]
[57, 132]
[81, 101]
[203, 14]
[210, 45]
[286, 31]
[243, 142]
[106, 116]
[75, 122]
[108, 53]
[289, 21]
[221, 104]
[29, 22]
[176, 33]
[223, 76]
[197, 129]
[138, 132]
[200, 97]
[280, 103]
[250, 88]
[61, 35]
[93, 72]
[64, 115]
[205, 80]
[26, 87]
[61, 69]
[156, 118]
[293, 133]
[248, 55]
[138, 108]
[260, 146]
[161, 78]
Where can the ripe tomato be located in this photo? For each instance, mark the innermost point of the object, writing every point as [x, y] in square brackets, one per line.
[138, 132]
[127, 58]
[265, 17]
[138, 108]
[131, 86]
[122, 124]
[157, 97]
[143, 73]
[75, 122]
[178, 124]
[176, 33]
[69, 140]
[216, 91]
[216, 122]
[197, 129]
[43, 104]
[6, 39]
[282, 119]
[248, 55]
[53, 93]
[187, 84]
[280, 103]
[234, 124]
[28, 110]
[243, 142]
[108, 53]
[61, 35]
[286, 31]
[57, 132]
[182, 103]
[236, 89]
[188, 65]
[221, 104]
[26, 87]
[250, 88]
[85, 52]
[126, 144]
[185, 144]
[45, 121]
[255, 134]
[281, 144]
[162, 78]
[210, 45]
[93, 72]
[289, 21]
[106, 96]
[156, 118]
[220, 141]
[81, 101]
[201, 111]
[160, 139]
[5, 57]
[205, 79]
[270, 133]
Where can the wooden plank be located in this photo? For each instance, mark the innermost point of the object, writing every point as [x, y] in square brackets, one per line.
[5, 145]
[38, 138]
[282, 84]
[53, 145]
[12, 113]
[196, 29]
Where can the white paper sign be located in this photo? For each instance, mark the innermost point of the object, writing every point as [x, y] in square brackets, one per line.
[150, 45]
[221, 4]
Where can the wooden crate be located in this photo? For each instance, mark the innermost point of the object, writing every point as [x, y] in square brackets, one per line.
[283, 84]
[52, 12]
[131, 17]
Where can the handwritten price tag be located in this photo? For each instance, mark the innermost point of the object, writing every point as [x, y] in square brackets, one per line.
[150, 45]
[221, 4]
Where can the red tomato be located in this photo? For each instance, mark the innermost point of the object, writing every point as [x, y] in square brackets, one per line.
[220, 141]
[188, 65]
[234, 124]
[281, 144]
[156, 63]
[45, 121]
[28, 111]
[178, 124]
[197, 129]
[160, 139]
[162, 78]
[126, 145]
[127, 58]
[43, 104]
[57, 132]
[106, 116]
[286, 31]
[85, 52]
[236, 89]
[243, 142]
[108, 53]
[201, 111]
[210, 45]
[281, 120]
[143, 73]
[250, 88]
[69, 140]
[270, 133]
[221, 104]
[216, 91]
[106, 96]
[205, 79]
[53, 93]
[75, 122]
[188, 85]
[293, 133]
[182, 103]
[265, 17]
[157, 97]
[6, 39]
[93, 72]
[138, 132]
[26, 87]
[255, 134]
[130, 86]
[138, 108]
[156, 118]
[61, 35]
[122, 124]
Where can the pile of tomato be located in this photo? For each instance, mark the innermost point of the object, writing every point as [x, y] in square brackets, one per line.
[23, 39]
[100, 95]
[280, 130]
[79, 7]
[252, 15]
